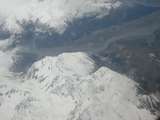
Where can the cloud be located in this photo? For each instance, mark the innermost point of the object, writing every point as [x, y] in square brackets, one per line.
[55, 13]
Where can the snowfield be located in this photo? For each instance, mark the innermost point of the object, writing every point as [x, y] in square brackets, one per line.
[71, 87]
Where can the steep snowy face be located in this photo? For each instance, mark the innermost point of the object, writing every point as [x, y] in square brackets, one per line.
[55, 13]
[68, 87]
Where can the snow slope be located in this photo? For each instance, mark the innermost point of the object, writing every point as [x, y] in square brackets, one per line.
[70, 87]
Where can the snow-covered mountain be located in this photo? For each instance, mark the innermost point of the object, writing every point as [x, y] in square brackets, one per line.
[43, 76]
[71, 87]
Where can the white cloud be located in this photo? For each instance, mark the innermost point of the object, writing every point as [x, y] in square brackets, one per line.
[55, 13]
